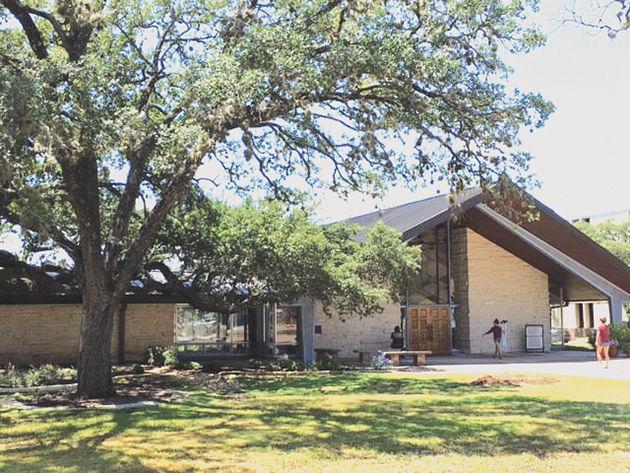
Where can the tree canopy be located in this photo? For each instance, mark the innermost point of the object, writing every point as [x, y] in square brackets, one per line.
[225, 259]
[615, 237]
[109, 109]
[259, 253]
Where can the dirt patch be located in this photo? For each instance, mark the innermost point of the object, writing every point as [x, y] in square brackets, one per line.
[511, 381]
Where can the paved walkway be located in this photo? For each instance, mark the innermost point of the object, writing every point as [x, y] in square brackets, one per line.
[570, 363]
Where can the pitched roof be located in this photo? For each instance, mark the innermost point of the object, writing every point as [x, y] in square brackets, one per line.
[413, 218]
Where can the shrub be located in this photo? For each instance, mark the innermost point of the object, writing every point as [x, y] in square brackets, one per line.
[37, 376]
[154, 356]
[284, 363]
[171, 358]
[620, 332]
[380, 362]
[328, 362]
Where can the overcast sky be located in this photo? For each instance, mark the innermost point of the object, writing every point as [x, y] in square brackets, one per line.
[582, 154]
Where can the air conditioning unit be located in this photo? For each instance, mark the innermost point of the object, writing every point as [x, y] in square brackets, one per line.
[534, 339]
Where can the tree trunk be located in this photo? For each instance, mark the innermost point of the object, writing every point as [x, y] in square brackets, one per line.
[94, 370]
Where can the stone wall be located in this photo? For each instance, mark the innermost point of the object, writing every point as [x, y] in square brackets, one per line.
[41, 333]
[459, 275]
[147, 325]
[502, 286]
[354, 334]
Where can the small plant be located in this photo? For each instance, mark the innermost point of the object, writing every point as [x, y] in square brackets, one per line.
[380, 362]
[137, 369]
[154, 356]
[284, 363]
[171, 358]
[36, 376]
[621, 333]
[328, 363]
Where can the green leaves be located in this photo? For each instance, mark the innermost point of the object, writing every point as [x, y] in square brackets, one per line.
[104, 124]
[261, 253]
[615, 237]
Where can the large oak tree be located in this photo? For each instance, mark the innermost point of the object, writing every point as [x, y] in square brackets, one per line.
[109, 108]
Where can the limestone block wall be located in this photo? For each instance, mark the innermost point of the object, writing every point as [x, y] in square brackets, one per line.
[459, 275]
[147, 325]
[42, 333]
[353, 334]
[502, 286]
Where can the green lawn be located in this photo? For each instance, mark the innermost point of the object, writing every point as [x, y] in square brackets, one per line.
[344, 423]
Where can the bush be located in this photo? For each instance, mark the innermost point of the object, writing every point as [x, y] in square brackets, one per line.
[154, 356]
[284, 363]
[620, 332]
[37, 376]
[380, 362]
[328, 362]
[171, 358]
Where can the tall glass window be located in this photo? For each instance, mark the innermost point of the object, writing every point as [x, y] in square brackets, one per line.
[432, 283]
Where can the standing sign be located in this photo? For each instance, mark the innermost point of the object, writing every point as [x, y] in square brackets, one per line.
[534, 338]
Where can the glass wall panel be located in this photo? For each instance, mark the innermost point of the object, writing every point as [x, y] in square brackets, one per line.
[432, 282]
[209, 332]
[287, 326]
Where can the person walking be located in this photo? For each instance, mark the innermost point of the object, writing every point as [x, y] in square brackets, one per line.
[497, 333]
[602, 341]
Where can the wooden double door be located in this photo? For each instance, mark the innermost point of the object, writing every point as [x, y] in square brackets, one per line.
[429, 328]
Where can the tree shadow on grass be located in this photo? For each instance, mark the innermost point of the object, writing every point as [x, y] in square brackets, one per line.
[321, 413]
[355, 384]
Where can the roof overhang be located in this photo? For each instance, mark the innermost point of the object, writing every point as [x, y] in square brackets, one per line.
[558, 258]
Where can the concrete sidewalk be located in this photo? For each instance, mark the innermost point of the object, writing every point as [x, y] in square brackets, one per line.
[568, 363]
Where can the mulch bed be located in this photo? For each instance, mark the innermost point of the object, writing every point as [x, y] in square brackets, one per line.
[510, 381]
[157, 385]
[160, 389]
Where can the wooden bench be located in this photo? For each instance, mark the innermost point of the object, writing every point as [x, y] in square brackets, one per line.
[418, 356]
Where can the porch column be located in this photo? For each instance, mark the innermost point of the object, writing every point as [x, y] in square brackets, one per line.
[616, 308]
[308, 331]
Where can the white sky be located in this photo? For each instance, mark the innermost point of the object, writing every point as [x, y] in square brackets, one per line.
[581, 156]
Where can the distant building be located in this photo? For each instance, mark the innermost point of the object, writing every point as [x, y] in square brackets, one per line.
[579, 319]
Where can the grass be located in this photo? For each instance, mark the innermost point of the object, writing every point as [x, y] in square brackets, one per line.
[343, 423]
[577, 344]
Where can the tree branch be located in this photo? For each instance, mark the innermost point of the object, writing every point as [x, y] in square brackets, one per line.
[34, 36]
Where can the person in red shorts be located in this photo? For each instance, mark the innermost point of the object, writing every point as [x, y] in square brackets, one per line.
[497, 333]
[602, 341]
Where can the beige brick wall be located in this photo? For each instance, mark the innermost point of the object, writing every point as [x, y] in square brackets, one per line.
[148, 325]
[353, 334]
[40, 333]
[502, 286]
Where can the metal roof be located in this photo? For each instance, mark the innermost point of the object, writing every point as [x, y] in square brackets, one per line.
[415, 217]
